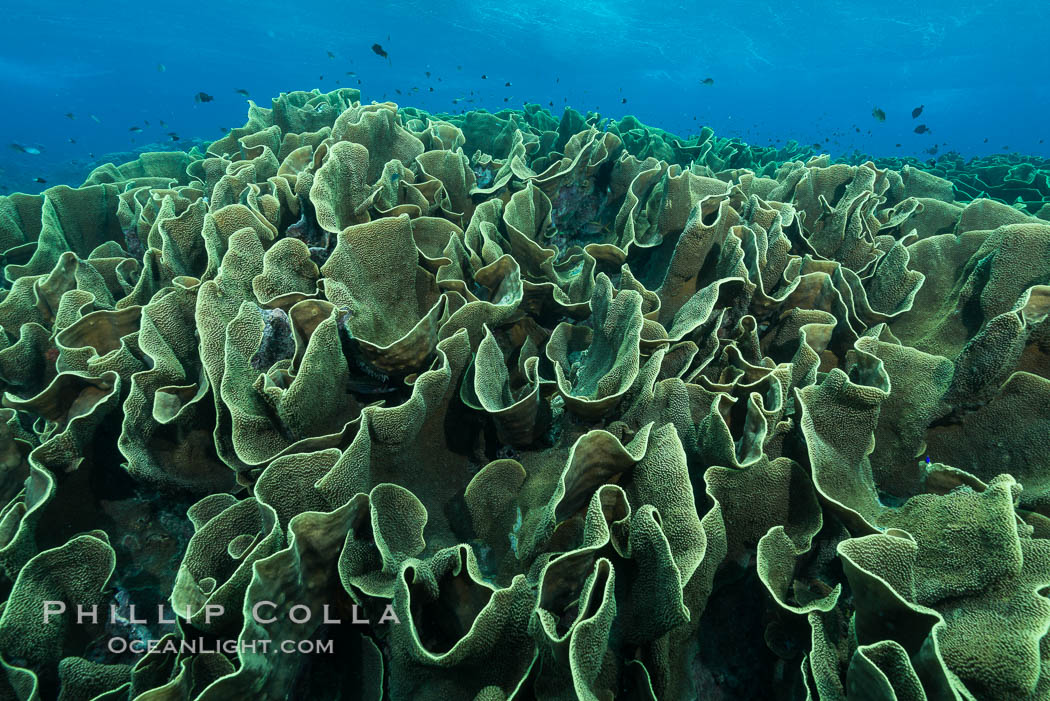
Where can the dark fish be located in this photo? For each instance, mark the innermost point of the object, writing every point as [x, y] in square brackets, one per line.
[898, 145]
[986, 139]
[39, 180]
[70, 115]
[483, 76]
[173, 135]
[379, 51]
[459, 68]
[917, 111]
[428, 73]
[331, 55]
[241, 91]
[431, 89]
[351, 74]
[878, 114]
[932, 150]
[135, 129]
[26, 149]
[224, 129]
[921, 129]
[72, 140]
[507, 84]
[146, 122]
[708, 81]
[320, 77]
[202, 97]
[162, 122]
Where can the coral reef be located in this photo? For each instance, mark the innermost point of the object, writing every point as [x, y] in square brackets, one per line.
[564, 408]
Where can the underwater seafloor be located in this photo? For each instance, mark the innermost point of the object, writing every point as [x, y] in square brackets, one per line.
[563, 407]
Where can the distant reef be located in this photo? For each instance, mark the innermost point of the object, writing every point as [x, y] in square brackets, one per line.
[389, 404]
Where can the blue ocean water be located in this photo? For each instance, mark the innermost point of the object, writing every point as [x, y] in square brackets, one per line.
[810, 71]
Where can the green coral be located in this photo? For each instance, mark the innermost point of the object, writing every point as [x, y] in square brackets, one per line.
[563, 407]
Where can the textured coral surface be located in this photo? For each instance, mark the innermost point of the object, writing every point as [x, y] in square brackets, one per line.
[565, 408]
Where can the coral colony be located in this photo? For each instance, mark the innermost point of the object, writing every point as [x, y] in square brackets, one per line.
[544, 407]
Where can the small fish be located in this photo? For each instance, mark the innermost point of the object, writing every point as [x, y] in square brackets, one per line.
[174, 136]
[708, 81]
[330, 54]
[162, 122]
[898, 145]
[161, 68]
[39, 180]
[397, 90]
[320, 77]
[507, 84]
[459, 68]
[69, 115]
[146, 122]
[932, 150]
[224, 129]
[921, 129]
[379, 51]
[878, 114]
[917, 111]
[96, 119]
[623, 101]
[202, 97]
[135, 129]
[72, 140]
[927, 457]
[242, 91]
[351, 74]
[986, 139]
[484, 77]
[32, 151]
[428, 73]
[431, 89]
